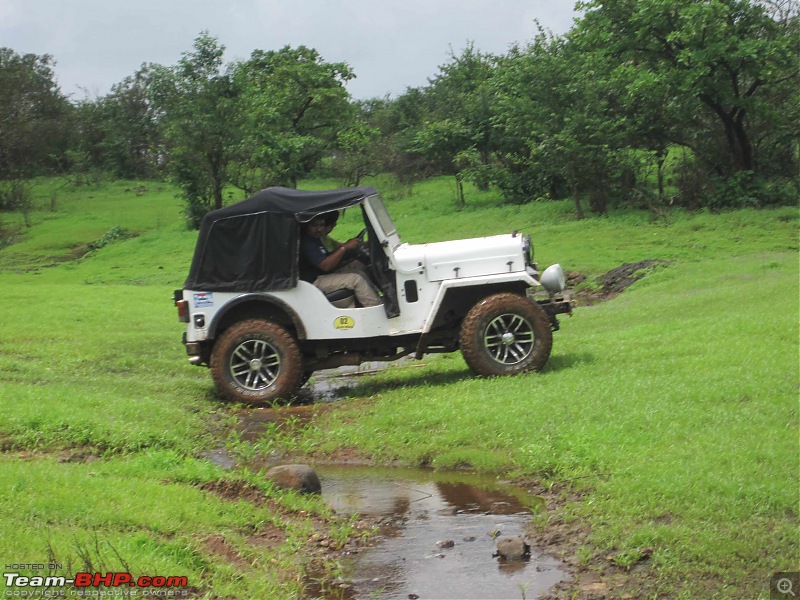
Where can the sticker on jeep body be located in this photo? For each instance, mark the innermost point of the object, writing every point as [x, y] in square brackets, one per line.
[203, 299]
[344, 323]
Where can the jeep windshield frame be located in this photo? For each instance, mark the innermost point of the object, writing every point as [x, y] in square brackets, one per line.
[386, 229]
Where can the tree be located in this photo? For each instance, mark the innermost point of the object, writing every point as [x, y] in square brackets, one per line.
[398, 121]
[128, 119]
[557, 128]
[442, 143]
[196, 104]
[457, 135]
[295, 104]
[728, 56]
[33, 115]
[357, 151]
[118, 133]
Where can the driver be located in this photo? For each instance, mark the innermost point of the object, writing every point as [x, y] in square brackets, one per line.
[325, 269]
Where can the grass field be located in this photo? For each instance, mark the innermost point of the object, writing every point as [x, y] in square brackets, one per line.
[669, 414]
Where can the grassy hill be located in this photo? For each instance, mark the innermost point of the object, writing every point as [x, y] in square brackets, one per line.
[665, 423]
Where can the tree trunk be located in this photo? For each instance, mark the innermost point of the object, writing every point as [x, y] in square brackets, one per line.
[460, 202]
[745, 148]
[661, 157]
[217, 195]
[577, 197]
[735, 133]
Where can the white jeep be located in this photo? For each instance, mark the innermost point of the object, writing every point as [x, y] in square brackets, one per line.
[263, 331]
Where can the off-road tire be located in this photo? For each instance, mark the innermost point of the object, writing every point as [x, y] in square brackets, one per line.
[506, 334]
[256, 362]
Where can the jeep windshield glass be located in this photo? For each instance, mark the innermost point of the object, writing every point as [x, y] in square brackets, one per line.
[382, 215]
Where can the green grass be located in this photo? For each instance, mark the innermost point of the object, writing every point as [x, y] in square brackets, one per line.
[676, 402]
[147, 515]
[672, 409]
[104, 423]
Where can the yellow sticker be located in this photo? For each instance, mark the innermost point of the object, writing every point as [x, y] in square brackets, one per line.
[344, 323]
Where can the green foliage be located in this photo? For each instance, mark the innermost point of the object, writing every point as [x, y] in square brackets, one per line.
[727, 62]
[594, 115]
[265, 121]
[556, 111]
[357, 155]
[16, 195]
[201, 124]
[295, 105]
[456, 137]
[590, 115]
[744, 189]
[34, 121]
[121, 132]
[112, 235]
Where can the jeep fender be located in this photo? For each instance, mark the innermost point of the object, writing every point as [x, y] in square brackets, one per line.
[254, 305]
[486, 282]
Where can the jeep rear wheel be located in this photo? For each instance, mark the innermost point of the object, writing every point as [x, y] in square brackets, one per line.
[506, 334]
[256, 362]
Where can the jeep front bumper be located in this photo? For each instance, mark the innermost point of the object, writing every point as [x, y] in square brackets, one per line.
[556, 305]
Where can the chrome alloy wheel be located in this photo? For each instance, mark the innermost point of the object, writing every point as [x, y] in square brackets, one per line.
[509, 339]
[255, 364]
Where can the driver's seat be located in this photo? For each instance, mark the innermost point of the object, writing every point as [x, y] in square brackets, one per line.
[342, 298]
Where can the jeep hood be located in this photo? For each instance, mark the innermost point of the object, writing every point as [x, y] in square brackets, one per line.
[463, 258]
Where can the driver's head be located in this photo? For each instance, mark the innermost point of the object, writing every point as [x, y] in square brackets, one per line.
[331, 219]
[317, 227]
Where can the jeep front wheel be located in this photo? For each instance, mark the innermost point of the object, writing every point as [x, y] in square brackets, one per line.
[506, 334]
[256, 362]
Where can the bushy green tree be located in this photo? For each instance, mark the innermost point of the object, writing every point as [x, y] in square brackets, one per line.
[456, 135]
[397, 122]
[131, 142]
[34, 116]
[558, 130]
[358, 151]
[200, 118]
[729, 61]
[294, 105]
[118, 133]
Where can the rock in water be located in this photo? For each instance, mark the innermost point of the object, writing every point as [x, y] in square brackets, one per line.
[300, 478]
[512, 548]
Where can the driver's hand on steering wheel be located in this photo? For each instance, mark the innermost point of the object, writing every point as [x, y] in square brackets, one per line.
[352, 244]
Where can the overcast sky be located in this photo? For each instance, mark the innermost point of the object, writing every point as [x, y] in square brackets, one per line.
[391, 44]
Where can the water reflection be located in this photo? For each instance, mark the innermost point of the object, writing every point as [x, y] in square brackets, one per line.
[439, 539]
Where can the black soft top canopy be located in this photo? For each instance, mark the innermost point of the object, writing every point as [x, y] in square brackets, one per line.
[252, 245]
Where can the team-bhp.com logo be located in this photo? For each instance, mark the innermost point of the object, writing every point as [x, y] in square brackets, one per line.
[32, 586]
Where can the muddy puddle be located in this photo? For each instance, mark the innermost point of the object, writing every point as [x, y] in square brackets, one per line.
[438, 536]
[437, 529]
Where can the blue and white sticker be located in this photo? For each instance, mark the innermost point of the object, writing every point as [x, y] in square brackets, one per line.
[203, 299]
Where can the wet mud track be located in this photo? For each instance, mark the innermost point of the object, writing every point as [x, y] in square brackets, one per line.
[437, 531]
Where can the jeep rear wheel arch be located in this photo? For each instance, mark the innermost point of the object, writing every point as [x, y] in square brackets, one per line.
[256, 361]
[506, 334]
[256, 306]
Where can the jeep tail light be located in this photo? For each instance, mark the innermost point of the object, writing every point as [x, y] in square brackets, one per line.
[183, 310]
